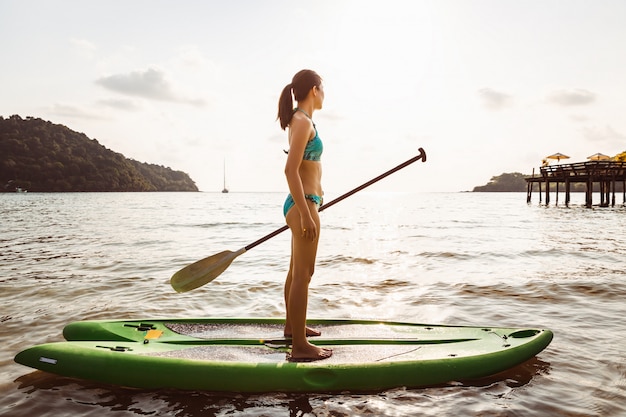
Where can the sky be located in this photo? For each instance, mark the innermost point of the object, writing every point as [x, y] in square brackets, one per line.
[484, 87]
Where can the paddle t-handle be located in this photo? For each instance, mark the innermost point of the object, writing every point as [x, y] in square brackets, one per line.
[206, 270]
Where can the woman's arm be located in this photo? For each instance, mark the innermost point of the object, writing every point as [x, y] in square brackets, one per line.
[300, 132]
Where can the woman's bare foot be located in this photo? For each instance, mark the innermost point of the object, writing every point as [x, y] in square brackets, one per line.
[309, 353]
[309, 332]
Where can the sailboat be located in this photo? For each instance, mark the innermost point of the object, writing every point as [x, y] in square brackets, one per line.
[225, 190]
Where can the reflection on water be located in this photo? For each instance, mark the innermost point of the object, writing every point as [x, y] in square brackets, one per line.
[466, 259]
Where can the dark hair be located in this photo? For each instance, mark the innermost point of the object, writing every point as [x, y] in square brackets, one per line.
[301, 84]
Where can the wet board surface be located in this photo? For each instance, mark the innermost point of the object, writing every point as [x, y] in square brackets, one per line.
[256, 330]
[250, 355]
[342, 354]
[371, 331]
[268, 329]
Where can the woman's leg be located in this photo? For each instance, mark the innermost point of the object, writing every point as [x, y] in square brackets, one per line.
[303, 253]
[287, 331]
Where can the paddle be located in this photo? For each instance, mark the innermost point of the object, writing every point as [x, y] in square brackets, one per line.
[206, 270]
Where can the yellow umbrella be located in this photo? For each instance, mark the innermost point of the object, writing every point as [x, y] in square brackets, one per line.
[558, 156]
[599, 157]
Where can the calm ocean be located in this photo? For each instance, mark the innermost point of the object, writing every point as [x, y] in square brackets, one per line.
[481, 259]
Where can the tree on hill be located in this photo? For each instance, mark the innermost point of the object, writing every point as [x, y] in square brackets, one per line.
[41, 156]
[506, 182]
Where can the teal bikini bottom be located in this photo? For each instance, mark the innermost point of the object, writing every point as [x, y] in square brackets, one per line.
[289, 203]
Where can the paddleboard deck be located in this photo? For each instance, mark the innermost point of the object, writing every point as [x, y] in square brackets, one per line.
[249, 355]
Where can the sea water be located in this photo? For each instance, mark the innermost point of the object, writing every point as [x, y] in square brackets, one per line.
[481, 259]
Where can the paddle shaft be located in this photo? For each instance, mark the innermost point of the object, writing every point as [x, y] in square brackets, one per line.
[421, 156]
[207, 269]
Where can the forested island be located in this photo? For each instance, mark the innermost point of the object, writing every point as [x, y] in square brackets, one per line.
[37, 155]
[507, 182]
[514, 182]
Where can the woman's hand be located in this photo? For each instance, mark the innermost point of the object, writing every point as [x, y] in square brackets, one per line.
[309, 228]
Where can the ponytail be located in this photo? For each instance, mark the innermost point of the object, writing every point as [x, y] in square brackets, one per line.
[300, 85]
[285, 107]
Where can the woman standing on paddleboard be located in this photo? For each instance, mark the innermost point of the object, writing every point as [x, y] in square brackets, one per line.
[304, 174]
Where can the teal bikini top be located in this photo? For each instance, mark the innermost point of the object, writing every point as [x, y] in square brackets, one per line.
[314, 147]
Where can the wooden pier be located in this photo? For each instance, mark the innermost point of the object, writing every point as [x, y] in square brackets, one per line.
[606, 174]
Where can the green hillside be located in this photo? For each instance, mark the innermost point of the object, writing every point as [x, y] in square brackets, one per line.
[505, 182]
[40, 156]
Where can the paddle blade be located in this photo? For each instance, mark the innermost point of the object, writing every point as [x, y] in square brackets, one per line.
[203, 271]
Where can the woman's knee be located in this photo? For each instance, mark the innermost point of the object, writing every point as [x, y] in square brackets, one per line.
[303, 273]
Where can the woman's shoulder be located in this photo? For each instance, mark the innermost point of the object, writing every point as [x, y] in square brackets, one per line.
[300, 119]
[301, 125]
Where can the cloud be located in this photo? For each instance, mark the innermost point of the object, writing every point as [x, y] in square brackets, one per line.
[494, 100]
[575, 97]
[603, 134]
[120, 104]
[68, 110]
[579, 117]
[150, 84]
[84, 47]
[191, 56]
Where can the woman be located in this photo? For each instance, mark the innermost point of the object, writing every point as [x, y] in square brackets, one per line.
[304, 173]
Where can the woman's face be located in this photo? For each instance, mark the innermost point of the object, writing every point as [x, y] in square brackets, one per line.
[318, 92]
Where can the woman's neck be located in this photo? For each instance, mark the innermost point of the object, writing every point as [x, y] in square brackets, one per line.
[306, 108]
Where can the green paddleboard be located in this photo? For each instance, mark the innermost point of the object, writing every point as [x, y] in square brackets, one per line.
[249, 355]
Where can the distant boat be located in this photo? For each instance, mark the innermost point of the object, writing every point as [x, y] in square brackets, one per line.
[225, 190]
[21, 190]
